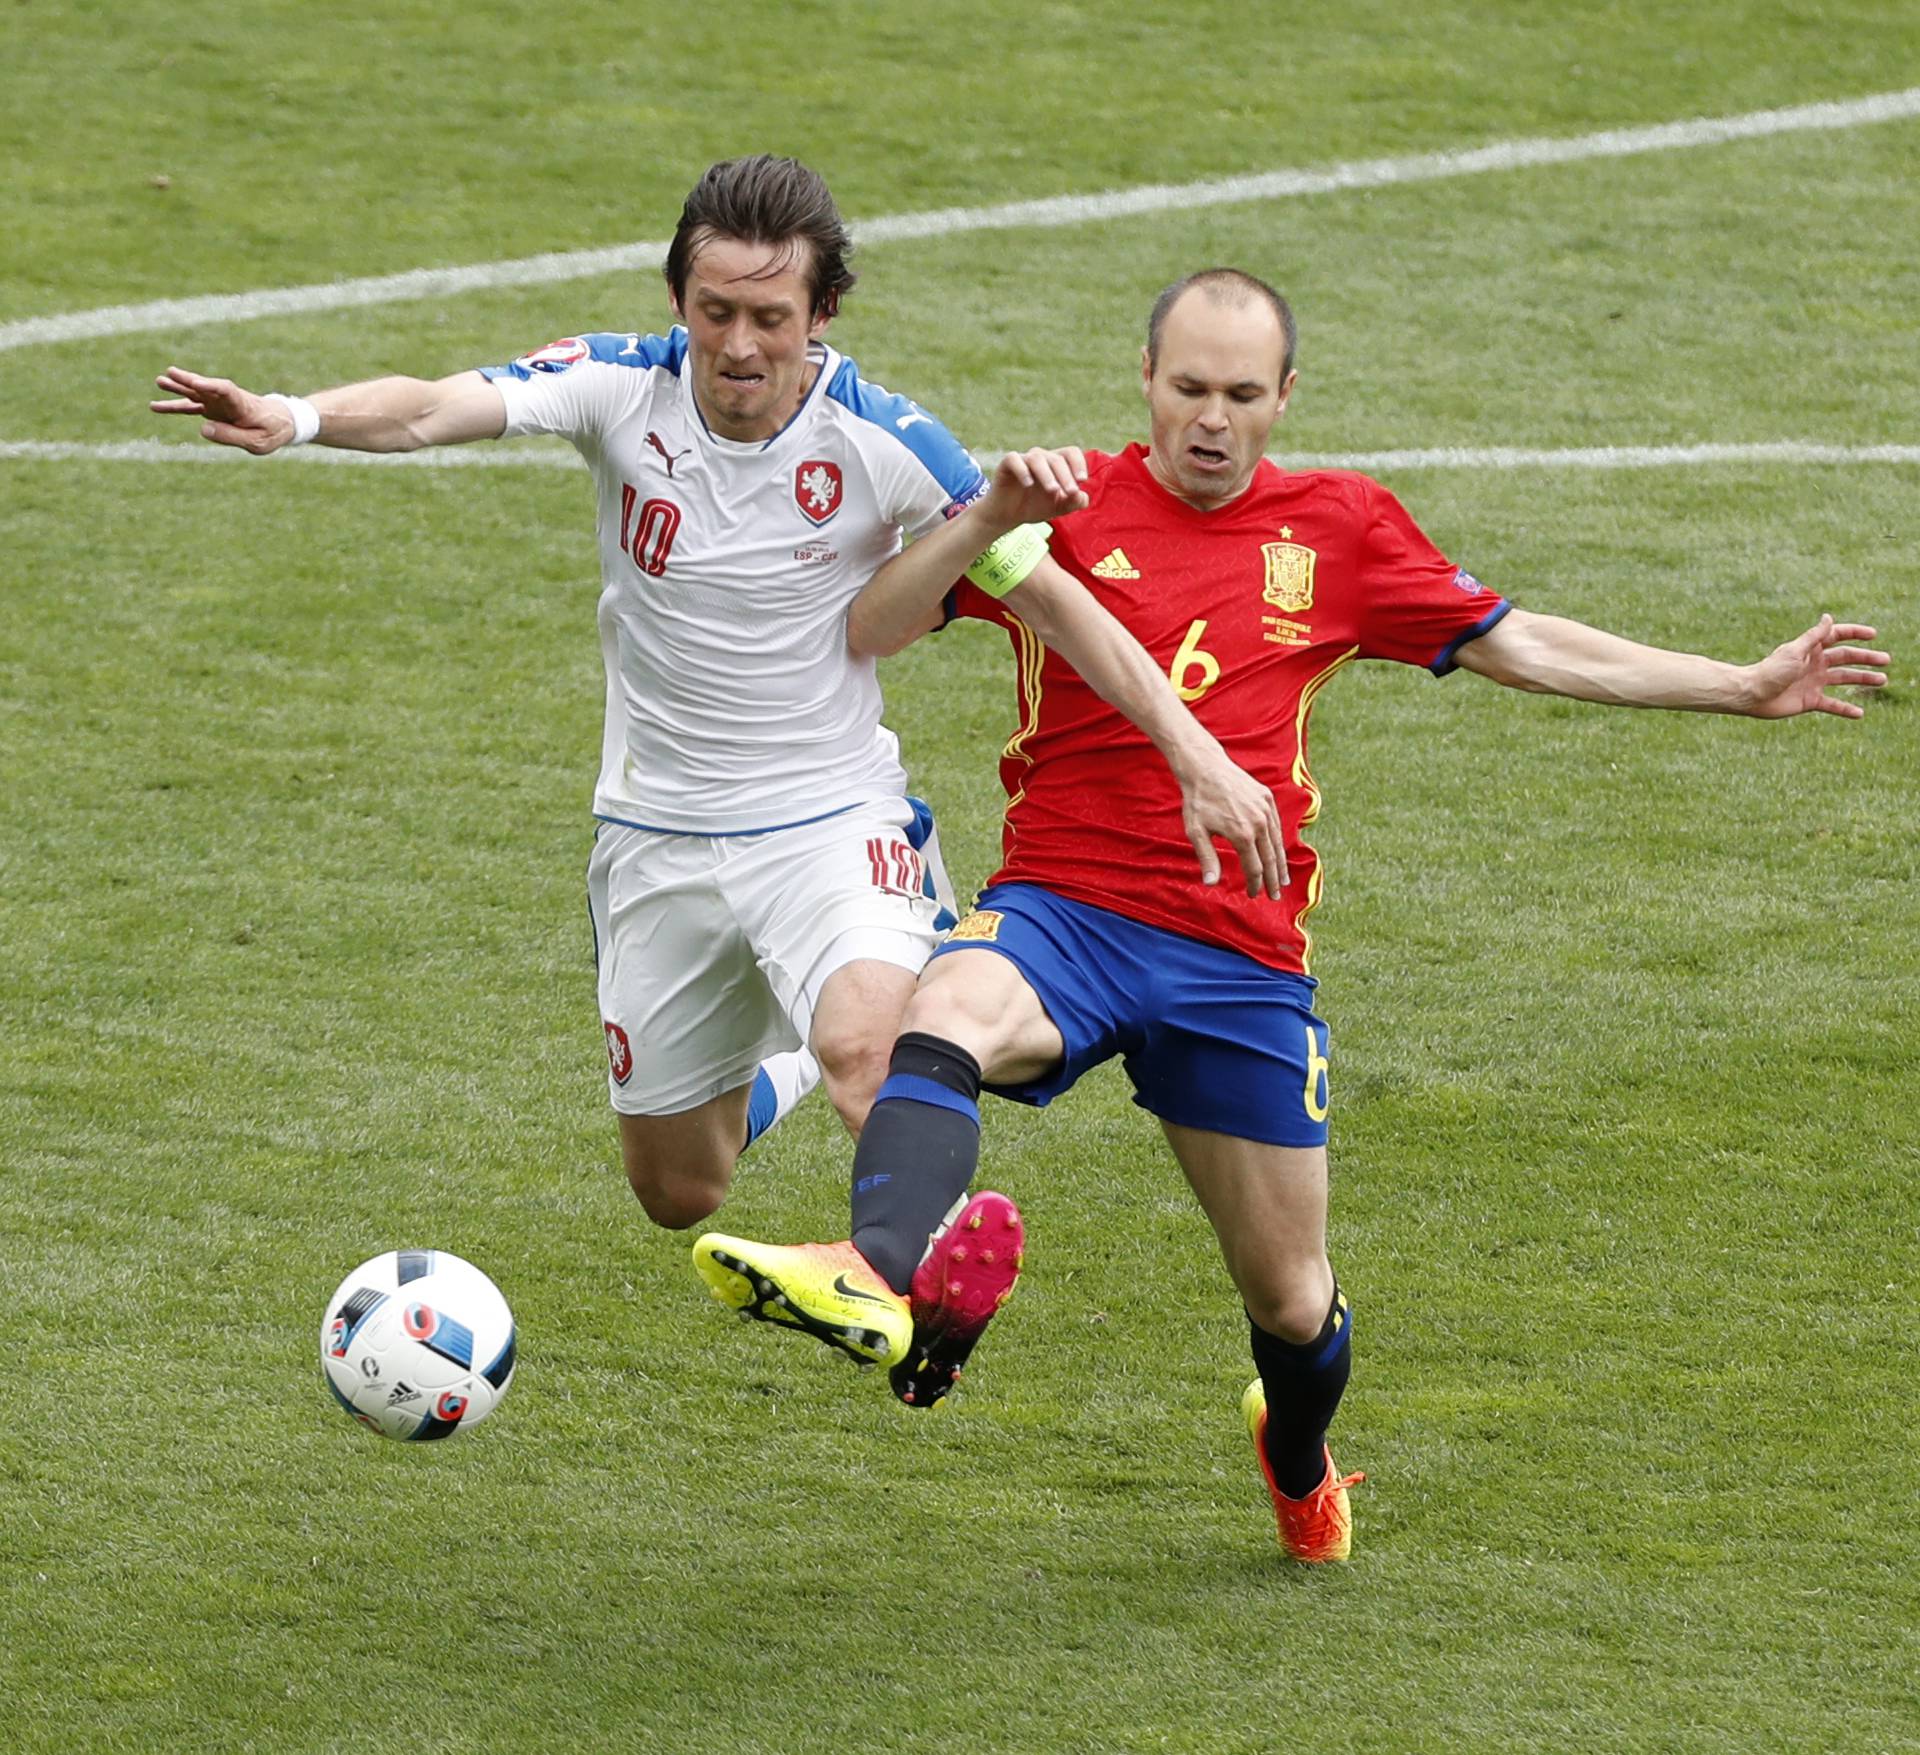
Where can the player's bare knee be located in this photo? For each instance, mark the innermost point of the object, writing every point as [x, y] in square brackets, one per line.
[937, 1011]
[955, 1011]
[1291, 1302]
[852, 1087]
[853, 1062]
[675, 1196]
[675, 1204]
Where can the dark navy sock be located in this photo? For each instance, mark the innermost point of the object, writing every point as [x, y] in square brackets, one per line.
[1304, 1384]
[917, 1153]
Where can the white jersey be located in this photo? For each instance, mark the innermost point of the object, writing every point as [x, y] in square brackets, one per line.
[726, 569]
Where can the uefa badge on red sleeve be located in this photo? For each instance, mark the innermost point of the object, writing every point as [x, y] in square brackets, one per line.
[817, 489]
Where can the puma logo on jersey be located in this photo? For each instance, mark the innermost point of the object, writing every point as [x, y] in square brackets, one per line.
[672, 457]
[1115, 566]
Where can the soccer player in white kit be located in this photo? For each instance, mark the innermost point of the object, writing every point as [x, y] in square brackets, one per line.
[763, 891]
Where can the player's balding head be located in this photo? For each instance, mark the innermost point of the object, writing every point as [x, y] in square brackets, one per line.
[1216, 372]
[1229, 289]
[767, 200]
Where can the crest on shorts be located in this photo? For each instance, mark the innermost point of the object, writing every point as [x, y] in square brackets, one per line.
[619, 1053]
[982, 923]
[817, 489]
[1289, 576]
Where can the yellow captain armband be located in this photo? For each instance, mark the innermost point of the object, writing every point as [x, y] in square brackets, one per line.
[1010, 560]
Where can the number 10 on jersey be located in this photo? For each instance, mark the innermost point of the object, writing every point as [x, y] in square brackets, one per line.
[648, 538]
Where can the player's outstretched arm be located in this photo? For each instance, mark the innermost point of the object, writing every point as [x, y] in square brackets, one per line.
[1218, 798]
[902, 601]
[1552, 655]
[383, 414]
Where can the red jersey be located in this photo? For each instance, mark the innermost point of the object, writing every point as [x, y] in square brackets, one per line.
[1249, 608]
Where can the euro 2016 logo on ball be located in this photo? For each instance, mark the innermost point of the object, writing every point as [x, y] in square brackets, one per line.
[417, 1344]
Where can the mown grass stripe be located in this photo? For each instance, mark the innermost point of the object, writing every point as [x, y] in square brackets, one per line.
[1059, 210]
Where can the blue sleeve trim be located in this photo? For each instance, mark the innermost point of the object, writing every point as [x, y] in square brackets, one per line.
[939, 452]
[912, 1088]
[1447, 659]
[645, 352]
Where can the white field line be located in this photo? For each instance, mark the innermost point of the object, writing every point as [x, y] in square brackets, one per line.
[1061, 210]
[1791, 452]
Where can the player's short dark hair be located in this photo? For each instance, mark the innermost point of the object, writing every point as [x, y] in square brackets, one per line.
[1230, 286]
[766, 200]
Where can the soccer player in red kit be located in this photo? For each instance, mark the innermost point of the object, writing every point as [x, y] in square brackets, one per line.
[1253, 585]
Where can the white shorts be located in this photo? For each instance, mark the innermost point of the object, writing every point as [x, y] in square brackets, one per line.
[713, 949]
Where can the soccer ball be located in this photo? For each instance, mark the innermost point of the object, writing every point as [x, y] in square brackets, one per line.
[417, 1344]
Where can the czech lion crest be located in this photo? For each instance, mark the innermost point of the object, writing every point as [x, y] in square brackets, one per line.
[817, 489]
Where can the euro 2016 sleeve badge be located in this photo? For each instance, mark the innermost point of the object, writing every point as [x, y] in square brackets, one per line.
[556, 356]
[1289, 576]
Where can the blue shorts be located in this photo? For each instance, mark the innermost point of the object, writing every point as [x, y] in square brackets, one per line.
[1210, 1038]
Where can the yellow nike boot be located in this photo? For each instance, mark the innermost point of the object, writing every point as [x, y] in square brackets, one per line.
[826, 1290]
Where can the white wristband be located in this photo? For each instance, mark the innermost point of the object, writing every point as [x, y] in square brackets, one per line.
[306, 418]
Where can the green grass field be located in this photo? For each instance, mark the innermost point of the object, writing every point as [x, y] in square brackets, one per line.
[296, 765]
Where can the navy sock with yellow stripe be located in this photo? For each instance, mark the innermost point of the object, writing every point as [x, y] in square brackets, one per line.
[1304, 1383]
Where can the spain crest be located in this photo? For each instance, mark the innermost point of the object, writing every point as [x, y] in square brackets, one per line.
[816, 489]
[1289, 576]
